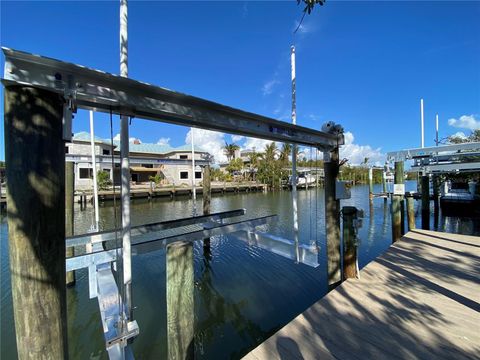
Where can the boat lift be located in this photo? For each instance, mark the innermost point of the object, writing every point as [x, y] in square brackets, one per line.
[84, 88]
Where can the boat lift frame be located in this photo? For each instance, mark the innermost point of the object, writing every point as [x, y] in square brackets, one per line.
[84, 88]
[441, 159]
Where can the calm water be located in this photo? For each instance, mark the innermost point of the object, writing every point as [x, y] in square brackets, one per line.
[242, 293]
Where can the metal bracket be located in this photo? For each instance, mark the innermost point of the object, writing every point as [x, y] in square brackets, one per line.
[70, 106]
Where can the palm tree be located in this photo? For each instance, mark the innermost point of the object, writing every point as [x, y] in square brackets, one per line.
[253, 158]
[285, 153]
[229, 150]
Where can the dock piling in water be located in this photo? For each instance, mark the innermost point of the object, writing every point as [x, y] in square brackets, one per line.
[397, 199]
[425, 202]
[180, 304]
[410, 212]
[332, 218]
[206, 194]
[35, 154]
[350, 260]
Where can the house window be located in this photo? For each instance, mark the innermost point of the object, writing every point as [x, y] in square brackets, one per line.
[198, 174]
[183, 175]
[107, 171]
[134, 177]
[66, 149]
[149, 166]
[183, 156]
[106, 152]
[85, 173]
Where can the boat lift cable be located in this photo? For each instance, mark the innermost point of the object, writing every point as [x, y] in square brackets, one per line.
[118, 271]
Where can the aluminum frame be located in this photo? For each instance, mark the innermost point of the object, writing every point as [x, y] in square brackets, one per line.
[100, 91]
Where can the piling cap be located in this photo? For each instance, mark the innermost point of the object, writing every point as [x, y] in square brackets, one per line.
[349, 210]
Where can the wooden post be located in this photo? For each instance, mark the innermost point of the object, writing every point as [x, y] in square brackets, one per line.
[410, 211]
[180, 304]
[332, 218]
[396, 203]
[370, 183]
[350, 260]
[207, 194]
[35, 158]
[69, 194]
[436, 188]
[384, 185]
[425, 202]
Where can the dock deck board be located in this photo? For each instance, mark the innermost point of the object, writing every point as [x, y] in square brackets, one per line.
[418, 300]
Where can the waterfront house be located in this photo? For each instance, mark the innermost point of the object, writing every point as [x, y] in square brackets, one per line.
[173, 165]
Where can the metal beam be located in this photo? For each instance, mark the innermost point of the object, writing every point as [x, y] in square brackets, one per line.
[448, 168]
[101, 91]
[431, 151]
[152, 242]
[153, 227]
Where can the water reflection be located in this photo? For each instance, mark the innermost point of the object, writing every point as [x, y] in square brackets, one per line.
[244, 291]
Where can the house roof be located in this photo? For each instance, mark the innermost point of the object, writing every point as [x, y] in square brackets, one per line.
[149, 148]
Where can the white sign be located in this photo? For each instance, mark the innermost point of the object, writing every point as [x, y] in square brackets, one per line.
[398, 189]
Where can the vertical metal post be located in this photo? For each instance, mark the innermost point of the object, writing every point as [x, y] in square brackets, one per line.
[69, 213]
[194, 188]
[94, 171]
[425, 202]
[35, 169]
[436, 129]
[370, 183]
[332, 218]
[125, 168]
[350, 260]
[422, 123]
[207, 194]
[294, 152]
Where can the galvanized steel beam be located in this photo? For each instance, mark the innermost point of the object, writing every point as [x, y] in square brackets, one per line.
[101, 91]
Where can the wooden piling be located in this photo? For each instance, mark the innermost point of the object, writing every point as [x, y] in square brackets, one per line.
[425, 202]
[332, 218]
[35, 158]
[410, 211]
[69, 194]
[180, 304]
[397, 217]
[350, 260]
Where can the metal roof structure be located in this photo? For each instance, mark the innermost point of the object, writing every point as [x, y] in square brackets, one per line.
[100, 91]
[452, 158]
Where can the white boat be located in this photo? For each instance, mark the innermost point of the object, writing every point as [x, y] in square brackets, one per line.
[304, 179]
[459, 197]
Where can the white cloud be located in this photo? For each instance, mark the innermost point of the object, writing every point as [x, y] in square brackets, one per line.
[268, 87]
[163, 141]
[132, 139]
[304, 28]
[465, 122]
[257, 144]
[459, 134]
[211, 141]
[357, 153]
[237, 138]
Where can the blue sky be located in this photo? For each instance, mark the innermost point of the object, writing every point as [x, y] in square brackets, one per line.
[362, 64]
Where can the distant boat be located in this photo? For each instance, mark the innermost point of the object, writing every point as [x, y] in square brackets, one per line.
[304, 179]
[459, 197]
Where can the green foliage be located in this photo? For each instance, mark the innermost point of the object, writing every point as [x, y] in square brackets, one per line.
[103, 180]
[229, 150]
[235, 165]
[359, 174]
[156, 179]
[310, 4]
[473, 137]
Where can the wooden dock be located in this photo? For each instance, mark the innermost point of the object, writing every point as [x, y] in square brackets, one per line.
[419, 300]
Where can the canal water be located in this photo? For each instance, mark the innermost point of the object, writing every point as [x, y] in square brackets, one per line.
[243, 293]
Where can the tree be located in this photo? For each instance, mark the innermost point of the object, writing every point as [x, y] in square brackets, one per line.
[285, 153]
[103, 180]
[235, 165]
[473, 137]
[253, 158]
[310, 4]
[229, 150]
